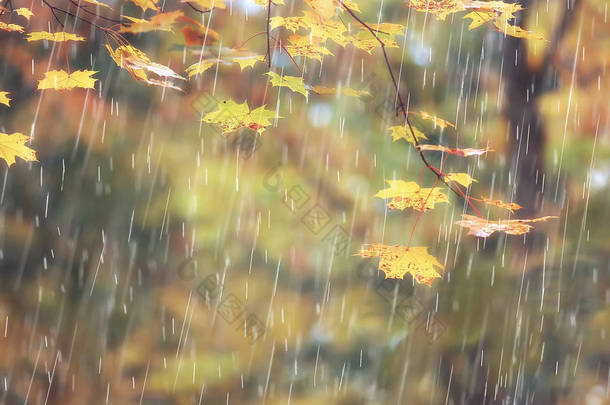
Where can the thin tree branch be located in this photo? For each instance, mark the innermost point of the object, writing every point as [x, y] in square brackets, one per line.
[268, 39]
[438, 173]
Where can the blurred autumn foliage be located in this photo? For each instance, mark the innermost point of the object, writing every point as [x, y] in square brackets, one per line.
[192, 225]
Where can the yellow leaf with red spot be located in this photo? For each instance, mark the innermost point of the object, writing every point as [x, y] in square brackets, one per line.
[396, 261]
[408, 194]
[231, 116]
[482, 228]
[62, 80]
[13, 145]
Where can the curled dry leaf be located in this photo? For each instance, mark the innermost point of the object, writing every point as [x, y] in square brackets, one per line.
[408, 194]
[396, 261]
[140, 66]
[482, 228]
[13, 145]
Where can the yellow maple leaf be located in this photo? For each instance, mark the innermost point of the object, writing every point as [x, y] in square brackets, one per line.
[461, 178]
[439, 8]
[514, 30]
[294, 83]
[13, 145]
[232, 117]
[146, 4]
[53, 36]
[24, 12]
[479, 18]
[366, 41]
[248, 61]
[399, 132]
[322, 29]
[482, 228]
[62, 80]
[4, 98]
[408, 194]
[396, 261]
[10, 27]
[139, 66]
[306, 46]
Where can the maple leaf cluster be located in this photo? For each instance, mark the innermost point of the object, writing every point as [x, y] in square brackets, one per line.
[313, 35]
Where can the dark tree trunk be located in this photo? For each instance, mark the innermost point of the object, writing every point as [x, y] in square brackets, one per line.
[525, 125]
[527, 137]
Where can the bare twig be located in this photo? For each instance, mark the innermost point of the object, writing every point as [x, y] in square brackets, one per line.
[268, 39]
[438, 173]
